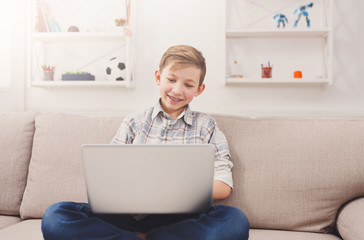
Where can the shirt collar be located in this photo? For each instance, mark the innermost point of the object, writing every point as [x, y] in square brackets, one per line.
[187, 114]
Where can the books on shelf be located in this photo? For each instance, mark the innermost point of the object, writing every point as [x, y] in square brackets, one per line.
[44, 21]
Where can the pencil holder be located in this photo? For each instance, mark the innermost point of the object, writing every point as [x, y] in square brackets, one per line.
[48, 75]
[267, 72]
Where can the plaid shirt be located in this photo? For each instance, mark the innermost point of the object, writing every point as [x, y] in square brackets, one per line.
[154, 126]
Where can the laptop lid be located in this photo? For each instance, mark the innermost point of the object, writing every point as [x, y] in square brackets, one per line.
[149, 179]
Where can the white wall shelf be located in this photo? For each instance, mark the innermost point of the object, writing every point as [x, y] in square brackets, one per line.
[74, 36]
[88, 50]
[75, 83]
[321, 32]
[276, 81]
[253, 38]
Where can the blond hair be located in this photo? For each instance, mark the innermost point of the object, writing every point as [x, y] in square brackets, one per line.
[182, 55]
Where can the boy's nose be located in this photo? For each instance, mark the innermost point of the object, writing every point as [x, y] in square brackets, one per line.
[177, 88]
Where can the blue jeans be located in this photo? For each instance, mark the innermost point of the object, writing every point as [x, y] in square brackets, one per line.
[69, 220]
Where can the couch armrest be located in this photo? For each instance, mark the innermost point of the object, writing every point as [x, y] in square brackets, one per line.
[350, 221]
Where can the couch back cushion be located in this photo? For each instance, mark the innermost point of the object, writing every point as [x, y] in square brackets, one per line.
[294, 174]
[16, 138]
[56, 170]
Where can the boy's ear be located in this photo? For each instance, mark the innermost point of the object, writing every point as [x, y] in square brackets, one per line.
[157, 77]
[200, 90]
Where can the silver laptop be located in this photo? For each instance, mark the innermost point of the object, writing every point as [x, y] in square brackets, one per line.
[149, 179]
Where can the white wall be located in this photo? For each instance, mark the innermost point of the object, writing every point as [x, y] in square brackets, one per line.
[11, 90]
[162, 23]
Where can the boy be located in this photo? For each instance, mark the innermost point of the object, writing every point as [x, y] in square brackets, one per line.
[180, 78]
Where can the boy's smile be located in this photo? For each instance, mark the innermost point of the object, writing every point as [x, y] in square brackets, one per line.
[178, 87]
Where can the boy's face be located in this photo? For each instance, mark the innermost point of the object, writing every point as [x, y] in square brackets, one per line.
[178, 88]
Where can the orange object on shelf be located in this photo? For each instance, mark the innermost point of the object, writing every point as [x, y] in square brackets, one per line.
[297, 74]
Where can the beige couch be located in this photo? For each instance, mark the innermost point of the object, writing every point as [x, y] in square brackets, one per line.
[295, 178]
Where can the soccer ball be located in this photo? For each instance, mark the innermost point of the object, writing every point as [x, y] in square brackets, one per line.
[115, 70]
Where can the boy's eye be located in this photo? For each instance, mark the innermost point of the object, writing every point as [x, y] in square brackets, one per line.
[189, 86]
[171, 80]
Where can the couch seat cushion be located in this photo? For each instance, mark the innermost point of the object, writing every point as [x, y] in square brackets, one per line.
[29, 230]
[56, 169]
[16, 139]
[257, 234]
[6, 221]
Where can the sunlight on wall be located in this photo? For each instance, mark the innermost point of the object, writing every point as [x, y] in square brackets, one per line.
[5, 44]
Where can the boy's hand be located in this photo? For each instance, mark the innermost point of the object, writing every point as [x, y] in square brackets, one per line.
[221, 190]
